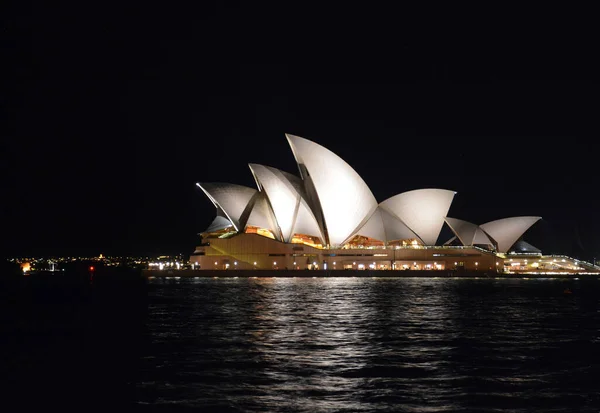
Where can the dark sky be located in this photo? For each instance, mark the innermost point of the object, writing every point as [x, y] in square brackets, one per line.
[111, 114]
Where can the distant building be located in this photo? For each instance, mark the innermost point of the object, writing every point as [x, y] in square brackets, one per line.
[327, 218]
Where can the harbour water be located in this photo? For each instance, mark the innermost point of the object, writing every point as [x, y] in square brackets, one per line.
[308, 345]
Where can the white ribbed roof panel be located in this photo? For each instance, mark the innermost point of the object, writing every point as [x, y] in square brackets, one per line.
[218, 224]
[373, 228]
[232, 199]
[306, 223]
[467, 232]
[282, 195]
[481, 238]
[261, 215]
[345, 199]
[394, 228]
[507, 231]
[422, 210]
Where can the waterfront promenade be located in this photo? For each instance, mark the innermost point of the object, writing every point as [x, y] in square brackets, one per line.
[187, 273]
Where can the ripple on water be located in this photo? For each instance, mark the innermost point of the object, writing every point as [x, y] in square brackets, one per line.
[335, 345]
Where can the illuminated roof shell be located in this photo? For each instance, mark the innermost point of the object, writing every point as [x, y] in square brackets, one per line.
[284, 192]
[220, 222]
[507, 231]
[231, 199]
[422, 210]
[373, 228]
[395, 229]
[467, 232]
[306, 223]
[385, 227]
[282, 196]
[345, 200]
[261, 214]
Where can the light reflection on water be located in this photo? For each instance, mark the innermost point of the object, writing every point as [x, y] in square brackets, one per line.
[360, 344]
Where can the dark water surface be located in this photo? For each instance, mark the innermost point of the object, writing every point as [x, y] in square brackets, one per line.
[307, 345]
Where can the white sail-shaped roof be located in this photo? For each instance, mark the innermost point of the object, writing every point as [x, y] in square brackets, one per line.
[344, 198]
[422, 210]
[467, 232]
[507, 231]
[482, 238]
[219, 223]
[282, 195]
[373, 228]
[261, 214]
[285, 193]
[385, 227]
[231, 199]
[306, 223]
[394, 228]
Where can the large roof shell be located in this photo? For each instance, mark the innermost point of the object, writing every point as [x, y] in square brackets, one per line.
[385, 227]
[306, 223]
[285, 194]
[395, 229]
[231, 199]
[467, 232]
[422, 210]
[344, 198]
[260, 214]
[281, 194]
[507, 231]
[373, 228]
[220, 222]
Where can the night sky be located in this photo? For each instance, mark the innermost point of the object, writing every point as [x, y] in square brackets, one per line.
[110, 115]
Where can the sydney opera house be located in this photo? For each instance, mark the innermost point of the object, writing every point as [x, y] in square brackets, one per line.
[326, 217]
